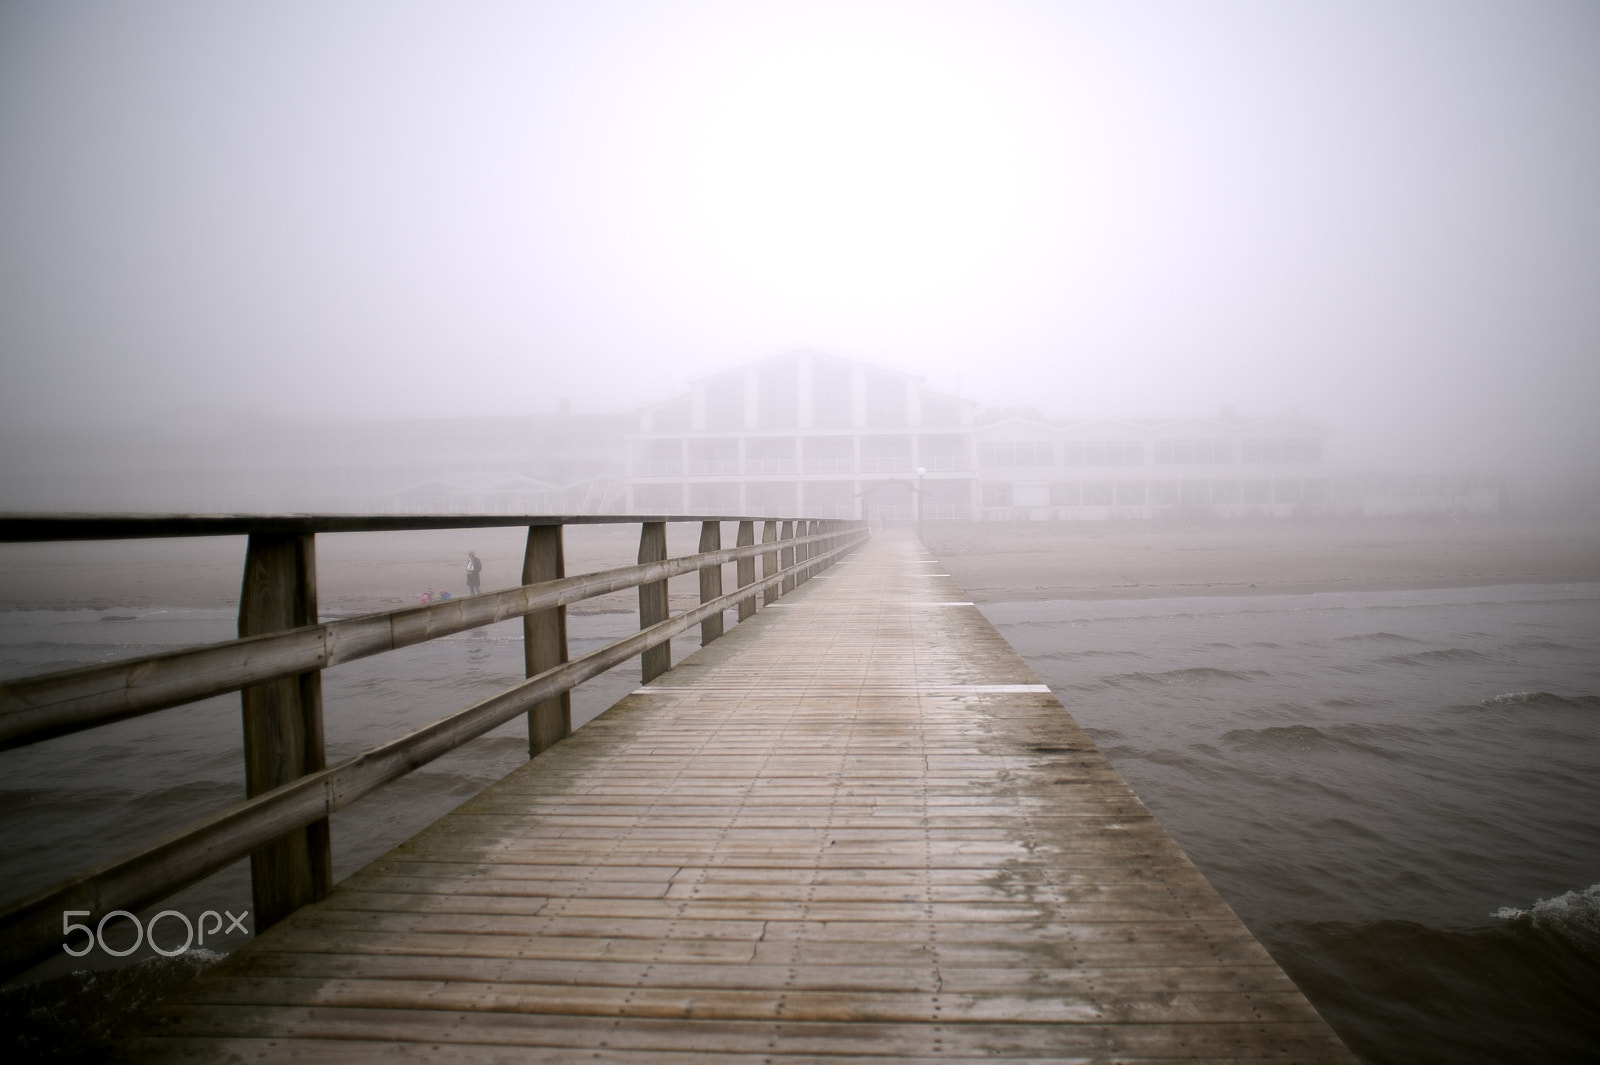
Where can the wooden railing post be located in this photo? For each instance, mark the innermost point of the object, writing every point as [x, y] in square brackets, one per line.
[283, 724]
[786, 555]
[710, 580]
[544, 638]
[745, 568]
[653, 599]
[803, 528]
[769, 561]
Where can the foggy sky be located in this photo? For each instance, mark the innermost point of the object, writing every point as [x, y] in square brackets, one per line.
[1380, 215]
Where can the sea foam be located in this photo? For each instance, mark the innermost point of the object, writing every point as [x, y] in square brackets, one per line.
[1576, 910]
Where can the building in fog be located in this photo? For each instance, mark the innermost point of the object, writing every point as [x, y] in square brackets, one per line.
[820, 436]
[806, 434]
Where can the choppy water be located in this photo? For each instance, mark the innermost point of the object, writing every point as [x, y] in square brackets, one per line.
[1399, 792]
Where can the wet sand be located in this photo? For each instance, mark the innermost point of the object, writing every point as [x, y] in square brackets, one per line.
[994, 562]
[1143, 560]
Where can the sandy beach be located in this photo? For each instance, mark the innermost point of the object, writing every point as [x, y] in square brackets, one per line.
[1146, 560]
[360, 572]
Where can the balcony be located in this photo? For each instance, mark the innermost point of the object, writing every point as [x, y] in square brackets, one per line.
[713, 467]
[946, 463]
[768, 466]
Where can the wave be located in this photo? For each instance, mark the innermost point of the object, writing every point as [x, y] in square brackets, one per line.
[1575, 911]
[1434, 658]
[1366, 739]
[1542, 700]
[1537, 643]
[1377, 637]
[1192, 675]
[1067, 656]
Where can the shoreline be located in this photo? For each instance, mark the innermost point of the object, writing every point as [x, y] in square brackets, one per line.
[993, 562]
[1148, 560]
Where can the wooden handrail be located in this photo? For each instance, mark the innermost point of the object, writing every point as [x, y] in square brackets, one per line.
[56, 704]
[29, 528]
[75, 699]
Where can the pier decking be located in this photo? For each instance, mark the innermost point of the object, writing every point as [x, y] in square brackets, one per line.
[857, 828]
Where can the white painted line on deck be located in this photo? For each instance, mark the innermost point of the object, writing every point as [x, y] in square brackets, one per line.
[779, 687]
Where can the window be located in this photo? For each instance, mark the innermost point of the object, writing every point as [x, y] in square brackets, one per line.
[1301, 450]
[658, 499]
[725, 404]
[938, 412]
[832, 401]
[997, 495]
[1097, 494]
[714, 498]
[1066, 494]
[1193, 452]
[1017, 453]
[780, 400]
[886, 401]
[1030, 495]
[671, 417]
[1102, 453]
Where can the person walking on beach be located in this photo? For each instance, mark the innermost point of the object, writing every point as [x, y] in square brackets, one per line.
[474, 567]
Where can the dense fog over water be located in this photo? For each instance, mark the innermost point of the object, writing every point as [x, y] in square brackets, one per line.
[1377, 215]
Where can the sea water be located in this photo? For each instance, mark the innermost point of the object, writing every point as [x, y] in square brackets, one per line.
[1398, 792]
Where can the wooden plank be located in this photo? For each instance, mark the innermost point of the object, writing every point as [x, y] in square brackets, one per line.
[283, 725]
[1110, 1040]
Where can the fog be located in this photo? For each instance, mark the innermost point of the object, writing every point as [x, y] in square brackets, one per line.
[1381, 216]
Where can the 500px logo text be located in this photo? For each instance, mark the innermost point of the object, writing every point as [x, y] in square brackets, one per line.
[97, 934]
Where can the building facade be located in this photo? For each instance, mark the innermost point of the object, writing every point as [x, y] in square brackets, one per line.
[807, 434]
[1030, 469]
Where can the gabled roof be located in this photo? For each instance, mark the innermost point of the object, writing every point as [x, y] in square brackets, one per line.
[808, 353]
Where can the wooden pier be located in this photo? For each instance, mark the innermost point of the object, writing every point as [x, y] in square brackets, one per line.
[856, 828]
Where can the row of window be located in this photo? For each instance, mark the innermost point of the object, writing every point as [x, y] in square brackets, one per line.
[1156, 493]
[1132, 452]
[772, 497]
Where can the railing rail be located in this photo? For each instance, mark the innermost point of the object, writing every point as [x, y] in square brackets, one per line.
[55, 704]
[293, 813]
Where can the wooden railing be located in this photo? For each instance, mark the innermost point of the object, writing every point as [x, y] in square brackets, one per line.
[276, 666]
